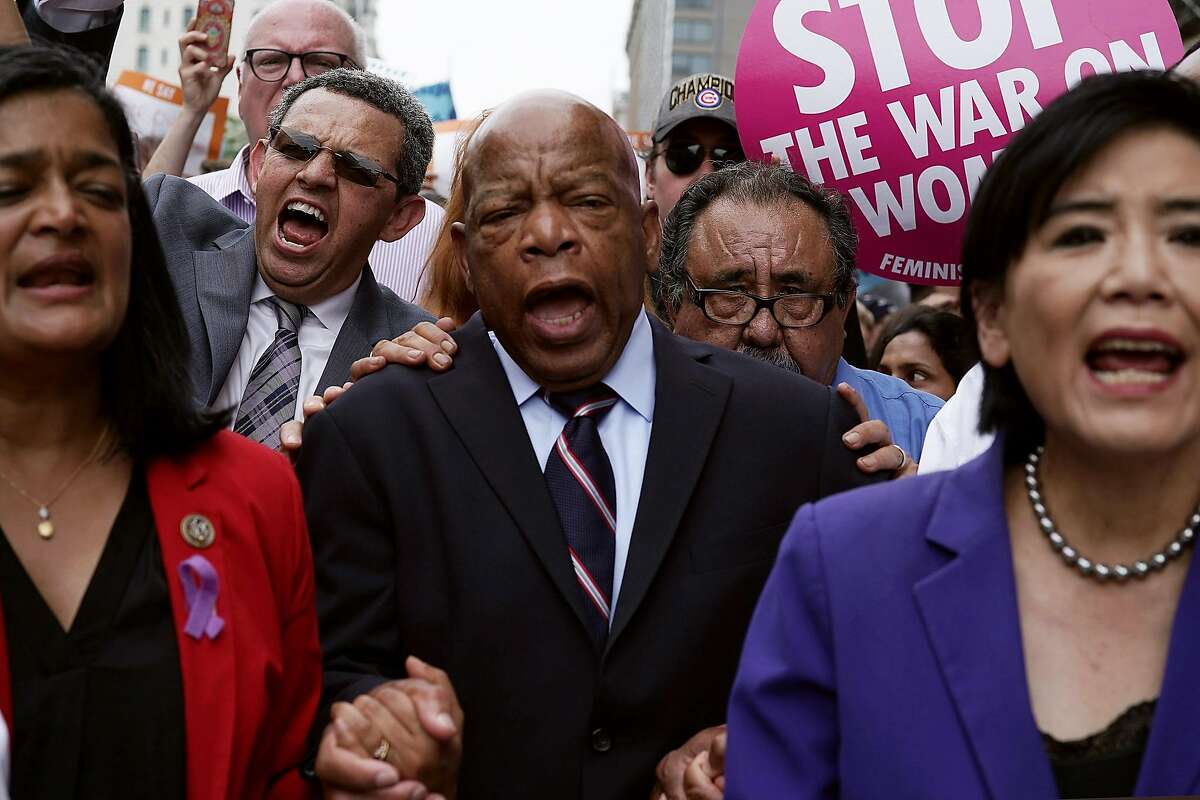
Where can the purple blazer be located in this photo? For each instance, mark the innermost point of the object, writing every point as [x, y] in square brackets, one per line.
[884, 658]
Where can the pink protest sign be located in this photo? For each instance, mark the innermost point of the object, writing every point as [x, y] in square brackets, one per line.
[903, 104]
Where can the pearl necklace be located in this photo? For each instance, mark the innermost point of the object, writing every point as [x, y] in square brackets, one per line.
[1101, 572]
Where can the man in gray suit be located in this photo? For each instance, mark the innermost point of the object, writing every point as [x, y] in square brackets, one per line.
[279, 310]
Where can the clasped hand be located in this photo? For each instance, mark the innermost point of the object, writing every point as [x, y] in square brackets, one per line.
[420, 720]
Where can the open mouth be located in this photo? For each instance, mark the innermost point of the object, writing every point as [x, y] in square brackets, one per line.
[53, 273]
[1133, 361]
[560, 313]
[301, 226]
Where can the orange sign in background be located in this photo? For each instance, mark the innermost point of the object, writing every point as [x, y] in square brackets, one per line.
[152, 106]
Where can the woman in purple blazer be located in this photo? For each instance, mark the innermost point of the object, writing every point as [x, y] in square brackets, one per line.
[1026, 626]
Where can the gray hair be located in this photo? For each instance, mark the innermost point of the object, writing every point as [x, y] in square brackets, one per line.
[759, 184]
[358, 50]
[389, 97]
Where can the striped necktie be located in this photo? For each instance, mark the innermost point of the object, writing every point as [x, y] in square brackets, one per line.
[580, 479]
[270, 396]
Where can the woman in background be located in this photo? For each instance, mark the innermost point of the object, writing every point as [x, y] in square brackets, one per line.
[929, 349]
[444, 291]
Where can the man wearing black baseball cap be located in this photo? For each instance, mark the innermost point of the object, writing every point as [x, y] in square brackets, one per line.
[695, 132]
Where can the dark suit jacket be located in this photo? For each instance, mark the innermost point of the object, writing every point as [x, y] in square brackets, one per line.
[211, 259]
[885, 657]
[434, 535]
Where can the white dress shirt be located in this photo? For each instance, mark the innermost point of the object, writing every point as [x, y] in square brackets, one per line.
[3, 759]
[624, 431]
[318, 331]
[398, 265]
[953, 437]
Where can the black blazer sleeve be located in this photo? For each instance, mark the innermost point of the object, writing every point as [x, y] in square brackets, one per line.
[839, 470]
[96, 44]
[353, 548]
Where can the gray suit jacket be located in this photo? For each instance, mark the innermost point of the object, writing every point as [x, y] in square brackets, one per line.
[212, 263]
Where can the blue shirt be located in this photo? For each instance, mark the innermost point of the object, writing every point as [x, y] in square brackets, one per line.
[906, 411]
[624, 431]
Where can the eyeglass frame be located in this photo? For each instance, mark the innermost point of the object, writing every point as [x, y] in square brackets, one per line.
[339, 157]
[828, 299]
[661, 148]
[248, 58]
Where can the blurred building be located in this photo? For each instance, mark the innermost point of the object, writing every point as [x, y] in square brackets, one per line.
[148, 39]
[670, 39]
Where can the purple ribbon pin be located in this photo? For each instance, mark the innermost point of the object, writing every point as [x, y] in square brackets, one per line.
[200, 592]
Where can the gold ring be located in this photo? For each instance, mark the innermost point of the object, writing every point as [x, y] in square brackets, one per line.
[381, 752]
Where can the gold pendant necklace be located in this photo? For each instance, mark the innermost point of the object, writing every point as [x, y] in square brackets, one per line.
[45, 526]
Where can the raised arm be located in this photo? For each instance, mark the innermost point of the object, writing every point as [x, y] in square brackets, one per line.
[12, 27]
[201, 81]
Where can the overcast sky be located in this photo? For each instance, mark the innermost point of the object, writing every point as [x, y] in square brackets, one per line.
[492, 49]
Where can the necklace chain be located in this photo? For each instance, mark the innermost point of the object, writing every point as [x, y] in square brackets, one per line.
[1086, 566]
[45, 526]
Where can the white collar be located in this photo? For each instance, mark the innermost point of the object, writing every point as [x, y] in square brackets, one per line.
[632, 377]
[329, 313]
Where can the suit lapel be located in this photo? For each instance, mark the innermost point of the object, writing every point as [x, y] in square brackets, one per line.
[679, 443]
[207, 665]
[224, 286]
[1171, 765]
[365, 325]
[476, 398]
[969, 608]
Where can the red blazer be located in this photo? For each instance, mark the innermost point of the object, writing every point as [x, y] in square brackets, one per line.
[250, 694]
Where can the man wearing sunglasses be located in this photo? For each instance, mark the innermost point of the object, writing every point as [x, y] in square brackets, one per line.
[695, 133]
[285, 306]
[287, 41]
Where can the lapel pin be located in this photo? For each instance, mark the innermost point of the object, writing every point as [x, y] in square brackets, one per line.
[197, 531]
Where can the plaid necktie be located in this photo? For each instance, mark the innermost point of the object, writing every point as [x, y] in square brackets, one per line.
[581, 484]
[270, 397]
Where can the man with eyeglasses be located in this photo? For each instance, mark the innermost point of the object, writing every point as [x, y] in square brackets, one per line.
[287, 41]
[695, 132]
[759, 260]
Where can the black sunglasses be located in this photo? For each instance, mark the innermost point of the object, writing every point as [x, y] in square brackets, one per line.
[272, 65]
[346, 163]
[683, 158]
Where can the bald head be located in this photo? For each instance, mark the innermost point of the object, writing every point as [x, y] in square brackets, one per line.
[293, 26]
[555, 242]
[329, 13]
[548, 119]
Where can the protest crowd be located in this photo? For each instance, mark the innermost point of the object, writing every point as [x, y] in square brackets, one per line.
[594, 479]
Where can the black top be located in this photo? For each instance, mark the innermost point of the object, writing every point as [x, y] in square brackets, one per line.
[98, 710]
[1105, 764]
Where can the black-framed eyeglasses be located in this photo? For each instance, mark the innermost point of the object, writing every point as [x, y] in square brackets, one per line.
[352, 166]
[735, 307]
[272, 65]
[684, 158]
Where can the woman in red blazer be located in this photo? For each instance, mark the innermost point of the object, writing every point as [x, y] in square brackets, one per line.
[157, 631]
